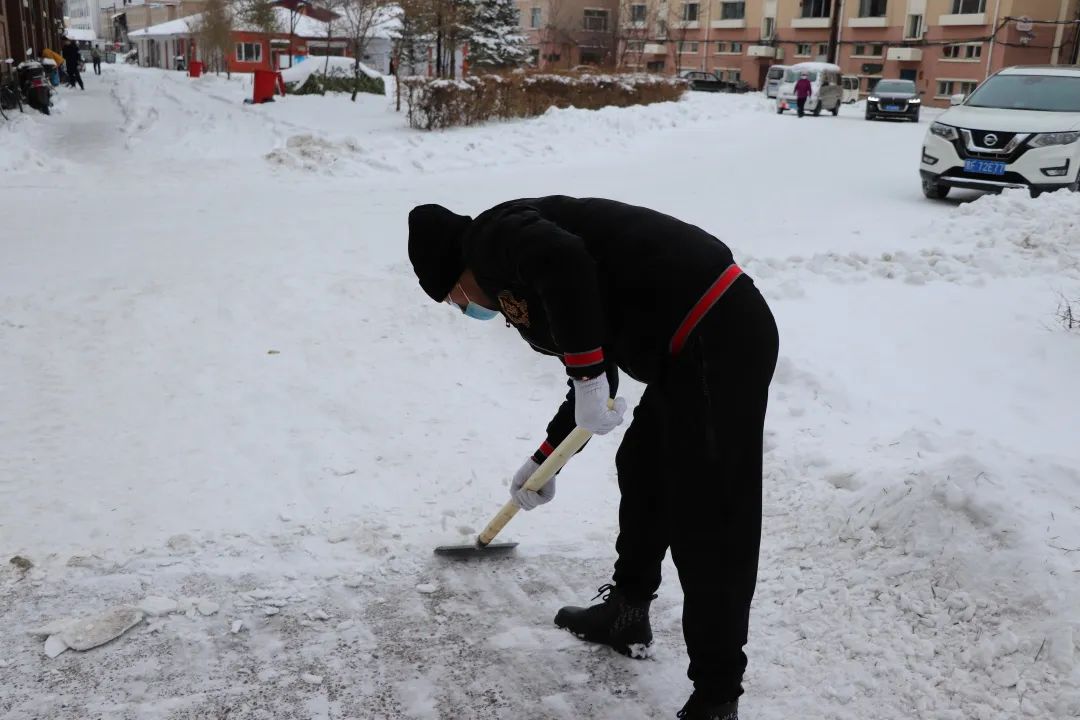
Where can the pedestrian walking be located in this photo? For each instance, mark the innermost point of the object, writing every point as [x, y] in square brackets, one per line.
[803, 91]
[72, 58]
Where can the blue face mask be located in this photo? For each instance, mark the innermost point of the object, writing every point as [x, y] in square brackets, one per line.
[476, 312]
[479, 312]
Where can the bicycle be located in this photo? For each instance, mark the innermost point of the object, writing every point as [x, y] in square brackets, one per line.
[10, 94]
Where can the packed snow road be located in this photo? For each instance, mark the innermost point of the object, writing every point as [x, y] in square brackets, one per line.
[224, 398]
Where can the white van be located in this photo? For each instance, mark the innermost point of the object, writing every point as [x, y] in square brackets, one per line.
[773, 80]
[850, 84]
[825, 81]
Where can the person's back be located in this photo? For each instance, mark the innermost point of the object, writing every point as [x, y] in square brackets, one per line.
[803, 88]
[71, 55]
[653, 267]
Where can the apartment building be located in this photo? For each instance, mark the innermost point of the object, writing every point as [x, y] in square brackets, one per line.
[566, 33]
[945, 46]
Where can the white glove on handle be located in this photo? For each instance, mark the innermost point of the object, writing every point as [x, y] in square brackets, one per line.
[530, 499]
[591, 410]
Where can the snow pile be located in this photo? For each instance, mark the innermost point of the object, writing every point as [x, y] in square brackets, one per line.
[1043, 232]
[23, 138]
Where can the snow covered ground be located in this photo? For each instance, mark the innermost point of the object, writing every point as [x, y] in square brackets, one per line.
[221, 387]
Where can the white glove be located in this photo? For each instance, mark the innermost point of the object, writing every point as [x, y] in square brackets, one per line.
[591, 410]
[530, 499]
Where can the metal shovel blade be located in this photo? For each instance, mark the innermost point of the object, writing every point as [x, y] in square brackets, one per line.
[476, 550]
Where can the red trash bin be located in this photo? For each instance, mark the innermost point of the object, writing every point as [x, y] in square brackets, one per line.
[195, 69]
[267, 84]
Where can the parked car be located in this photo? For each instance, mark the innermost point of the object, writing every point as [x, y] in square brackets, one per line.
[773, 79]
[704, 81]
[894, 99]
[1019, 129]
[850, 84]
[824, 78]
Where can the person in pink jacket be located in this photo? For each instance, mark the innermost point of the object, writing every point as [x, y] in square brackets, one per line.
[803, 91]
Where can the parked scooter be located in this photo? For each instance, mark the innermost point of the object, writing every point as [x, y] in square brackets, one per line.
[34, 84]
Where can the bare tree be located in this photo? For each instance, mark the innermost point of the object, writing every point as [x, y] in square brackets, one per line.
[213, 33]
[637, 23]
[558, 30]
[677, 31]
[358, 19]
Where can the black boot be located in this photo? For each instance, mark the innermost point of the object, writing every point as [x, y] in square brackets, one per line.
[700, 708]
[618, 621]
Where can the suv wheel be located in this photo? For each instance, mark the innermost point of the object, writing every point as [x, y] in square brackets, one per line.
[934, 191]
[836, 109]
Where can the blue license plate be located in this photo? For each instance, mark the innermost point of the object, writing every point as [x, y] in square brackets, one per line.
[892, 108]
[984, 167]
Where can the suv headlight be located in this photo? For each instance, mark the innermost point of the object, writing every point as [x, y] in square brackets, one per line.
[914, 101]
[946, 132]
[872, 99]
[1050, 139]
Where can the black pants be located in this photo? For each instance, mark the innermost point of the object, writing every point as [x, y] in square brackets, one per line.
[97, 67]
[75, 77]
[690, 469]
[801, 103]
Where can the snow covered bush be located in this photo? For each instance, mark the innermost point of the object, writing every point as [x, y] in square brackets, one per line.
[318, 76]
[337, 80]
[439, 103]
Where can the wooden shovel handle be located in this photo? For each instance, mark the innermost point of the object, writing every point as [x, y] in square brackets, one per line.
[553, 464]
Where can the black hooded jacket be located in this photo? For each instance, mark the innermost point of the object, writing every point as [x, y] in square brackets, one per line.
[599, 283]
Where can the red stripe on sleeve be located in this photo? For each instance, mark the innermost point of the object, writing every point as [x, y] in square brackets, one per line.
[584, 359]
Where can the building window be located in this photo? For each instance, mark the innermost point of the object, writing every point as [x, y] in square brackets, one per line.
[823, 50]
[655, 66]
[802, 50]
[817, 8]
[768, 28]
[249, 52]
[535, 14]
[968, 7]
[734, 75]
[871, 82]
[637, 13]
[690, 12]
[971, 51]
[868, 51]
[635, 46]
[596, 20]
[688, 48]
[733, 11]
[736, 47]
[872, 8]
[721, 47]
[914, 26]
[948, 88]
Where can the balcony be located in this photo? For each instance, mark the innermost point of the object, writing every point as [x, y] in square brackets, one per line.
[761, 51]
[904, 54]
[868, 22]
[686, 25]
[655, 49]
[964, 19]
[728, 24]
[812, 23]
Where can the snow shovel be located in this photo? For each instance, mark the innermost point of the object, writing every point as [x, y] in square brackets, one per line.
[483, 546]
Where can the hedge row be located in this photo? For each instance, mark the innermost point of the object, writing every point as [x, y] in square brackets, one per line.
[434, 104]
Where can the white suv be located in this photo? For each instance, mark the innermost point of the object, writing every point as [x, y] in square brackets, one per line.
[1019, 129]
